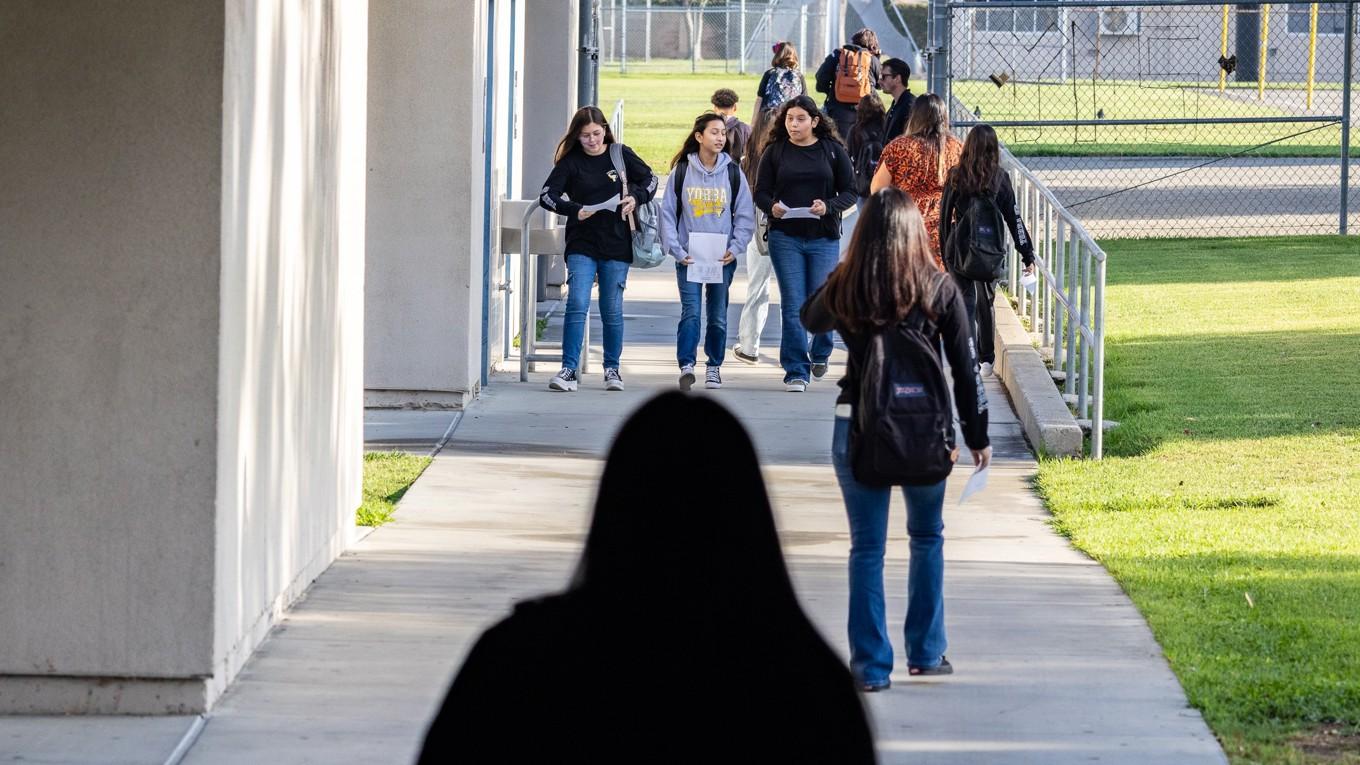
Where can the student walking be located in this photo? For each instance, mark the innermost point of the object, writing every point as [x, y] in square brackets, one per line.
[977, 197]
[804, 168]
[892, 79]
[919, 161]
[866, 142]
[847, 75]
[759, 269]
[894, 309]
[599, 246]
[708, 202]
[781, 82]
[724, 102]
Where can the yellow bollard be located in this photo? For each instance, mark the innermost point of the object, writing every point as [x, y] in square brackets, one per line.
[1222, 73]
[1312, 51]
[1265, 45]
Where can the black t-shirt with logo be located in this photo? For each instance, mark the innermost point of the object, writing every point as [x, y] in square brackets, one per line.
[590, 180]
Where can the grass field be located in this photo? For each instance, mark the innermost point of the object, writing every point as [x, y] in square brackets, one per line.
[1228, 506]
[662, 99]
[387, 476]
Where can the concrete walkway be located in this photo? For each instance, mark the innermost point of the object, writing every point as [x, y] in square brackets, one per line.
[1054, 665]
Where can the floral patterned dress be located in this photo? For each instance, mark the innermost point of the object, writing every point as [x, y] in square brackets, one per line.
[912, 163]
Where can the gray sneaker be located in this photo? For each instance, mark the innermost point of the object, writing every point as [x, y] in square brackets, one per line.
[713, 378]
[743, 356]
[795, 385]
[564, 380]
[819, 370]
[686, 377]
[612, 381]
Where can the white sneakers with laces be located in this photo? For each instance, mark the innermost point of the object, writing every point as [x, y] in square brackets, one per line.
[612, 380]
[686, 377]
[713, 378]
[564, 380]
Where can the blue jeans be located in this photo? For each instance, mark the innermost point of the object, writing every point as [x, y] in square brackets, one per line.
[871, 653]
[801, 266]
[582, 271]
[687, 334]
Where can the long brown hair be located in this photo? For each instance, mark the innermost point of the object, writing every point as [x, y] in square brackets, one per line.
[977, 170]
[868, 113]
[691, 144]
[868, 39]
[586, 115]
[785, 56]
[889, 267]
[929, 124]
[755, 145]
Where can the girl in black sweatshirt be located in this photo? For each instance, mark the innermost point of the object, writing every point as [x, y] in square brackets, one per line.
[979, 173]
[599, 244]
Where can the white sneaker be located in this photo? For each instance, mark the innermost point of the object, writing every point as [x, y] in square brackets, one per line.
[564, 380]
[795, 386]
[612, 381]
[686, 377]
[986, 369]
[713, 378]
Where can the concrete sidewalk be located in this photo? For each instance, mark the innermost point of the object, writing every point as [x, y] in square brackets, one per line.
[1054, 665]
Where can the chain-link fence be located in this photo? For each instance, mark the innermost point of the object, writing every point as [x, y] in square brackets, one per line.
[710, 36]
[1169, 120]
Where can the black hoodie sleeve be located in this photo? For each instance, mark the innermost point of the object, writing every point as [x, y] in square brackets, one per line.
[844, 170]
[969, 395]
[814, 315]
[826, 75]
[948, 200]
[642, 181]
[1010, 209]
[765, 176]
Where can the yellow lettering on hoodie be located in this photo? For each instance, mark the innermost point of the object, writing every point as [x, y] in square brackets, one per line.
[706, 201]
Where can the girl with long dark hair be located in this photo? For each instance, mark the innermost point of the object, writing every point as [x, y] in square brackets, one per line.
[679, 639]
[708, 198]
[919, 161]
[804, 167]
[599, 245]
[865, 141]
[979, 174]
[887, 278]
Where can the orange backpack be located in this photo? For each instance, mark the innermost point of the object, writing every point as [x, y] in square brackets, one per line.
[852, 76]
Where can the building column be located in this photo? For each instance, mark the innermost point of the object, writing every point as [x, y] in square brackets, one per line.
[181, 229]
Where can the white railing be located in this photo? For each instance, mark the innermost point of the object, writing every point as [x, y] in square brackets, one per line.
[1066, 311]
[616, 121]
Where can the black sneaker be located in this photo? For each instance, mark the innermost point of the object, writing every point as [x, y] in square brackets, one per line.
[819, 370]
[713, 378]
[564, 380]
[743, 356]
[612, 381]
[943, 668]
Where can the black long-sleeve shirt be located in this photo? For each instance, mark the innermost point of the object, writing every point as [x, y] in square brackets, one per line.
[590, 180]
[952, 203]
[953, 328]
[796, 175]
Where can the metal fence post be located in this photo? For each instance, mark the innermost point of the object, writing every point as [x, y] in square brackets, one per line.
[647, 35]
[741, 67]
[623, 34]
[1347, 71]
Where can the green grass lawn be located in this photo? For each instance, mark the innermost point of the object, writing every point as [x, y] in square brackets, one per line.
[387, 476]
[661, 100]
[1228, 505]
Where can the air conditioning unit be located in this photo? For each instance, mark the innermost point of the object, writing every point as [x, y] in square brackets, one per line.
[1119, 21]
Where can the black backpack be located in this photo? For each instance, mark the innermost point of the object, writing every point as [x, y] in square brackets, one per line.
[866, 164]
[977, 246]
[733, 178]
[903, 428]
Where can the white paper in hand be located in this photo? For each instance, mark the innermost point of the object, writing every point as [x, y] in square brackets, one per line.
[707, 250]
[608, 204]
[793, 213]
[976, 483]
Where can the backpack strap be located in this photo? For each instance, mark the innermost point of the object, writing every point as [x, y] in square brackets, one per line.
[734, 180]
[679, 174]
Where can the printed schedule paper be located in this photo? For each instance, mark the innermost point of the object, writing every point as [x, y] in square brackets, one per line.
[707, 250]
[793, 213]
[608, 204]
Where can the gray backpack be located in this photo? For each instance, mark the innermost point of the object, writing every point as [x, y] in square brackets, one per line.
[646, 232]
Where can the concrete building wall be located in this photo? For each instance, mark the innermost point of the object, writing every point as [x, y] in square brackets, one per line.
[110, 160]
[426, 185]
[290, 422]
[181, 310]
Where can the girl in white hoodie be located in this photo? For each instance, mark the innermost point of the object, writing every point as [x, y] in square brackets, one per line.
[708, 205]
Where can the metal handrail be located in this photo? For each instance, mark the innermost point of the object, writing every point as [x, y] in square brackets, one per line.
[616, 121]
[528, 306]
[1067, 309]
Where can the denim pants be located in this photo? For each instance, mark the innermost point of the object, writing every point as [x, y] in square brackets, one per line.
[871, 652]
[582, 271]
[687, 333]
[978, 298]
[801, 266]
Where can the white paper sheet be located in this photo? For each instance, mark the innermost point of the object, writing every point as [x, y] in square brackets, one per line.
[707, 250]
[799, 212]
[608, 204]
[976, 483]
